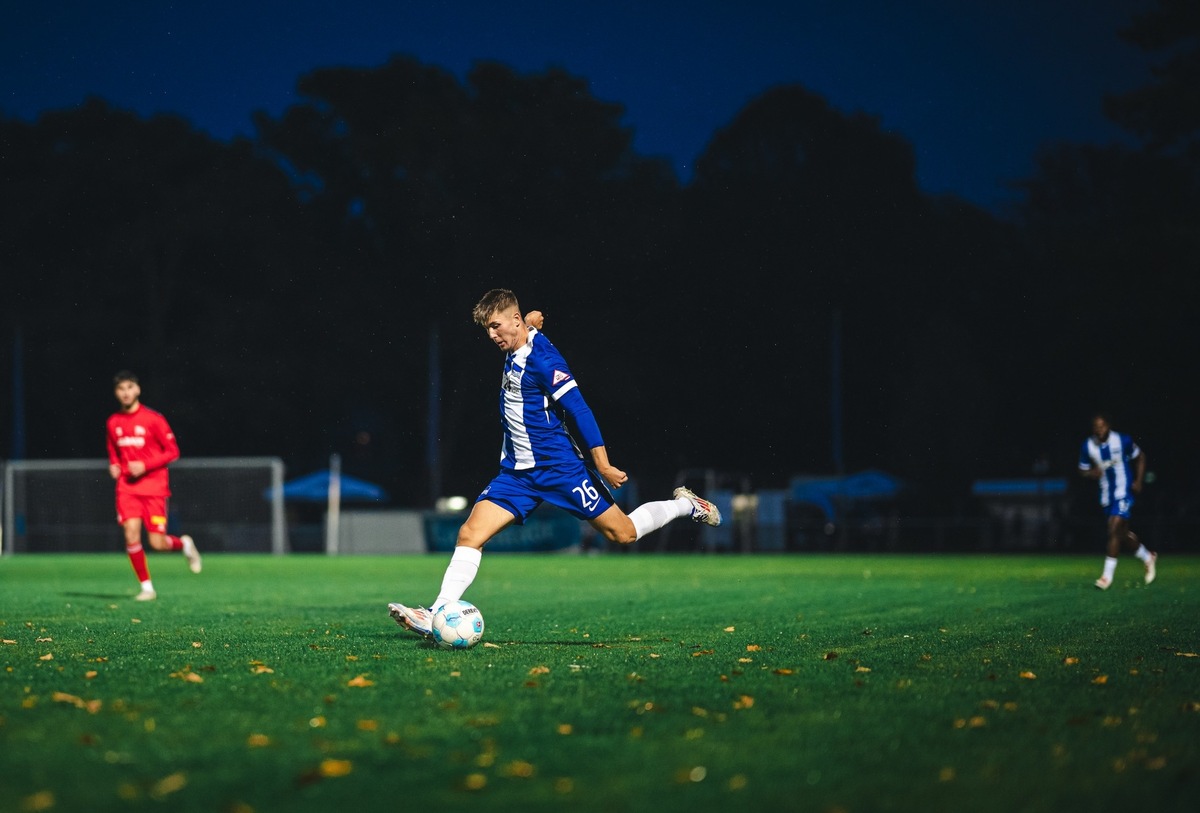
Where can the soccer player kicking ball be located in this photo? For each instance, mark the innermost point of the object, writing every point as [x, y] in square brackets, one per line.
[539, 461]
[1116, 462]
[140, 445]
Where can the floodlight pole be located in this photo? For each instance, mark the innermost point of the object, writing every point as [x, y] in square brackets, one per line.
[839, 466]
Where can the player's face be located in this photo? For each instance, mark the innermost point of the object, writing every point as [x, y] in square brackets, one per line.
[1100, 429]
[128, 393]
[506, 330]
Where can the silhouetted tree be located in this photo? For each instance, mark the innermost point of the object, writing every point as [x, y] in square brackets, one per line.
[1117, 235]
[146, 244]
[1165, 114]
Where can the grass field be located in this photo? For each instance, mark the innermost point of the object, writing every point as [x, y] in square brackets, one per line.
[611, 683]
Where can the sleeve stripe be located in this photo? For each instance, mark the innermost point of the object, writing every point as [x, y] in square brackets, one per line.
[564, 389]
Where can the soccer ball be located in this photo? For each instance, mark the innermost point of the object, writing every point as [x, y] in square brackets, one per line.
[458, 625]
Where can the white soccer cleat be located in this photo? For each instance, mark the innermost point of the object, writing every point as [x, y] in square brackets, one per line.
[1103, 583]
[702, 510]
[1150, 571]
[193, 555]
[146, 595]
[415, 619]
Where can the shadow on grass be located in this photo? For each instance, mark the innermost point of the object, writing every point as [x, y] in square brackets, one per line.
[425, 643]
[99, 595]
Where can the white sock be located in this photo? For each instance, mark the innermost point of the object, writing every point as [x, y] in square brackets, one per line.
[651, 516]
[1142, 553]
[1110, 566]
[464, 564]
[148, 586]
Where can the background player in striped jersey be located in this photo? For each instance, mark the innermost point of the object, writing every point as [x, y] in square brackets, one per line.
[539, 460]
[1116, 462]
[140, 445]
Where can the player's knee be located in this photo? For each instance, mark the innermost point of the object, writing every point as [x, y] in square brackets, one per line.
[470, 538]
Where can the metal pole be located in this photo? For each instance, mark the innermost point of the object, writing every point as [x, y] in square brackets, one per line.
[335, 502]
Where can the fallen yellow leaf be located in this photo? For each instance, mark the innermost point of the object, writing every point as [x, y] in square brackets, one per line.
[333, 768]
[540, 670]
[753, 648]
[361, 681]
[520, 768]
[258, 741]
[42, 800]
[1070, 661]
[1100, 680]
[169, 784]
[743, 702]
[1028, 675]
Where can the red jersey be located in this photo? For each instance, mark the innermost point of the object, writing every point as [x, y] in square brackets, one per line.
[142, 435]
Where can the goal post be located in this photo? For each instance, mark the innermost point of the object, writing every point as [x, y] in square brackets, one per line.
[232, 504]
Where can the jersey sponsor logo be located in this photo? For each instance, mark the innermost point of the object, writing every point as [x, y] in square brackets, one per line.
[559, 377]
[136, 443]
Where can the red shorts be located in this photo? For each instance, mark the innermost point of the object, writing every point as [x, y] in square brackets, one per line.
[152, 511]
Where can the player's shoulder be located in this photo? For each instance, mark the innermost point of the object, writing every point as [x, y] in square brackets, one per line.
[542, 349]
[153, 415]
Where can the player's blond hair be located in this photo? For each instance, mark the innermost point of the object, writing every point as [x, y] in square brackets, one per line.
[497, 299]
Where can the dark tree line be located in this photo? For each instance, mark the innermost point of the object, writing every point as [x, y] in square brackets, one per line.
[279, 295]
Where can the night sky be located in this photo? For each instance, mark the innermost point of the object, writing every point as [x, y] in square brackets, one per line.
[976, 91]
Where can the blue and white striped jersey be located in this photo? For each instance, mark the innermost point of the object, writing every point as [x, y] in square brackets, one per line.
[1112, 457]
[536, 379]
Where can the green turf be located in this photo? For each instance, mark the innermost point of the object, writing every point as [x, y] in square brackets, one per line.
[638, 683]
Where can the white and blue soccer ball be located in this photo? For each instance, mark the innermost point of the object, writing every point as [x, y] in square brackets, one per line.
[458, 625]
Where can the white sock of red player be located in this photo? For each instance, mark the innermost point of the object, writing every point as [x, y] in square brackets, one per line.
[464, 565]
[651, 516]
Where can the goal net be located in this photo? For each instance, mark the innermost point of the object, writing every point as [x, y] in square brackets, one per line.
[230, 504]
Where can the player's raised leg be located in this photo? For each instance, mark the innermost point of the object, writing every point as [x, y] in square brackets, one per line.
[648, 517]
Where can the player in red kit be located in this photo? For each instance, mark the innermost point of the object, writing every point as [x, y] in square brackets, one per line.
[140, 445]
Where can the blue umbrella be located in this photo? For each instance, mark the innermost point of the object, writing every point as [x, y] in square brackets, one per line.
[315, 488]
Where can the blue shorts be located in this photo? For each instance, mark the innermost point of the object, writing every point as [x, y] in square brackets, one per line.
[570, 487]
[1119, 508]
